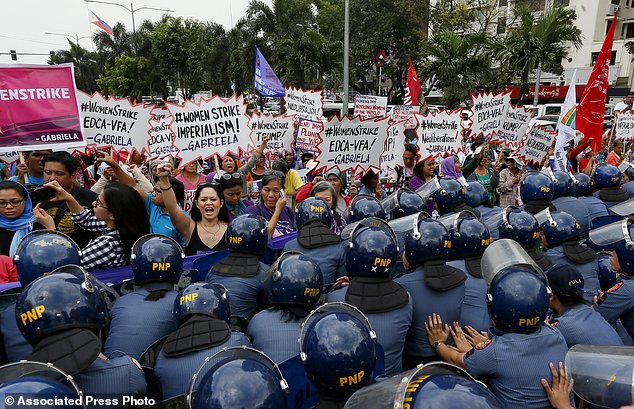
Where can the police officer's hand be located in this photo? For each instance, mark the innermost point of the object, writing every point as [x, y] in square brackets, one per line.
[474, 337]
[342, 282]
[436, 331]
[459, 338]
[559, 393]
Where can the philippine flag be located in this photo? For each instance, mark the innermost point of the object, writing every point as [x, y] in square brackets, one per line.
[94, 19]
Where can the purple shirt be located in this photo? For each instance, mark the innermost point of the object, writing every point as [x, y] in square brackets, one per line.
[286, 223]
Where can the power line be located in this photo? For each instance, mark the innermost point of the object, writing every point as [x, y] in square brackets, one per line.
[31, 41]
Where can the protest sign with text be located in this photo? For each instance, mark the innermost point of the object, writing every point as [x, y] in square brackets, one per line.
[405, 113]
[114, 122]
[440, 133]
[161, 140]
[214, 126]
[279, 130]
[10, 157]
[394, 146]
[536, 145]
[305, 104]
[38, 108]
[514, 126]
[370, 106]
[488, 112]
[352, 143]
[308, 135]
[624, 127]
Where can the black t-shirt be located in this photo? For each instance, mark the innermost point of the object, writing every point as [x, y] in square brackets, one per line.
[6, 236]
[61, 215]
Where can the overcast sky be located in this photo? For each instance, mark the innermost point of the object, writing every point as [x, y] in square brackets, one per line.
[24, 22]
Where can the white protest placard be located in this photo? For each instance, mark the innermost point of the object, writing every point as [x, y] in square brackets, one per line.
[514, 126]
[10, 157]
[624, 127]
[352, 143]
[308, 135]
[405, 113]
[488, 112]
[160, 144]
[279, 130]
[213, 126]
[370, 106]
[536, 144]
[305, 104]
[114, 122]
[394, 146]
[440, 133]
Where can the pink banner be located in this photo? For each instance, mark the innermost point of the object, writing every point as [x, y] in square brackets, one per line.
[38, 108]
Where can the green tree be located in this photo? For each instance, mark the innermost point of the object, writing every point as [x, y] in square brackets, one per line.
[84, 63]
[130, 77]
[110, 47]
[537, 43]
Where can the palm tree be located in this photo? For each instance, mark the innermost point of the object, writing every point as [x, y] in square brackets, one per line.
[110, 47]
[84, 63]
[537, 43]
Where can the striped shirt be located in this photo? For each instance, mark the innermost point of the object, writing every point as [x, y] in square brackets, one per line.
[105, 251]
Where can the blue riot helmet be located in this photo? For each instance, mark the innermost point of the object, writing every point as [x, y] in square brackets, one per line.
[477, 195]
[155, 257]
[428, 240]
[449, 196]
[362, 207]
[402, 203]
[59, 302]
[338, 349]
[247, 233]
[518, 292]
[557, 226]
[583, 185]
[294, 280]
[372, 250]
[239, 377]
[313, 209]
[42, 251]
[204, 299]
[563, 184]
[618, 237]
[606, 175]
[608, 277]
[520, 226]
[430, 386]
[469, 236]
[536, 186]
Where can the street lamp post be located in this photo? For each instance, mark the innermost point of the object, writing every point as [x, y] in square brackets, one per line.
[131, 9]
[76, 36]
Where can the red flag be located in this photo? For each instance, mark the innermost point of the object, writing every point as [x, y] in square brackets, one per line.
[412, 91]
[591, 108]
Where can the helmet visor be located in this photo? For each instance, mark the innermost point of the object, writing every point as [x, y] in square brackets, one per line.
[624, 209]
[502, 254]
[429, 188]
[611, 233]
[351, 229]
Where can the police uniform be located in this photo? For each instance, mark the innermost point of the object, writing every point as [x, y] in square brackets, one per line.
[619, 303]
[331, 258]
[514, 363]
[116, 375]
[244, 291]
[426, 301]
[580, 324]
[174, 373]
[609, 203]
[596, 208]
[391, 329]
[474, 306]
[15, 346]
[573, 206]
[629, 188]
[589, 271]
[136, 323]
[487, 212]
[275, 332]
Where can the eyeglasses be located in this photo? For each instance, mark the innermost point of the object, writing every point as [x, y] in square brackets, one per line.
[13, 203]
[229, 176]
[271, 172]
[99, 204]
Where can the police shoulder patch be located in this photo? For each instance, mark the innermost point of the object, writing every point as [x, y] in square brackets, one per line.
[554, 323]
[616, 287]
[483, 345]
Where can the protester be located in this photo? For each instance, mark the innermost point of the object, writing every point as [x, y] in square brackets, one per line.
[615, 157]
[510, 183]
[230, 164]
[272, 205]
[370, 185]
[423, 173]
[337, 180]
[402, 174]
[32, 171]
[16, 216]
[292, 181]
[191, 176]
[487, 176]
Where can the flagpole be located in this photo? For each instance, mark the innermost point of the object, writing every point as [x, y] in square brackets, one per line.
[346, 56]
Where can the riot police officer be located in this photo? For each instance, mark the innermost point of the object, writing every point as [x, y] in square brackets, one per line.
[316, 240]
[433, 285]
[450, 198]
[607, 179]
[537, 191]
[241, 271]
[64, 317]
[479, 199]
[521, 348]
[401, 203]
[370, 256]
[582, 190]
[362, 207]
[202, 312]
[38, 253]
[565, 202]
[140, 318]
[293, 285]
[561, 239]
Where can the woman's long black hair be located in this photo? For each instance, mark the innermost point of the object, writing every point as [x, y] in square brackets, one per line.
[128, 209]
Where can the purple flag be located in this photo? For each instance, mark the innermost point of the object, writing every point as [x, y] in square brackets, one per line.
[266, 82]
